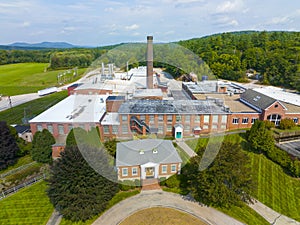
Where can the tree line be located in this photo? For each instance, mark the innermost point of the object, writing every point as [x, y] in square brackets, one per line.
[274, 55]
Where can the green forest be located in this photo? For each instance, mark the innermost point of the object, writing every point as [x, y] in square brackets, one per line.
[273, 56]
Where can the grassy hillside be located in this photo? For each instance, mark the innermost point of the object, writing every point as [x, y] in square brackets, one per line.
[25, 78]
[274, 188]
[29, 206]
[32, 108]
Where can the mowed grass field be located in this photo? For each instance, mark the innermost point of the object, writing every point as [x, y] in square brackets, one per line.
[28, 206]
[275, 188]
[23, 78]
[32, 108]
[159, 215]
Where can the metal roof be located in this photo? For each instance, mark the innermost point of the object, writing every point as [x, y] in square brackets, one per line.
[171, 107]
[74, 109]
[139, 152]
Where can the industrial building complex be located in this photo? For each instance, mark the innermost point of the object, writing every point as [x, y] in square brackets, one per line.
[144, 101]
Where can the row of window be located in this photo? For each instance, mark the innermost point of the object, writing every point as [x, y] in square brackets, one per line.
[134, 170]
[60, 127]
[244, 120]
[187, 118]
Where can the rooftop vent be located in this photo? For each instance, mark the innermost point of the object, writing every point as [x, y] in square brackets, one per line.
[154, 151]
[142, 152]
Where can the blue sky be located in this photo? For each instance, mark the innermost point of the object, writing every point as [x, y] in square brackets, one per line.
[102, 22]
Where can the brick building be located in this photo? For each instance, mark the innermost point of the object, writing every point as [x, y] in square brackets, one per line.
[149, 158]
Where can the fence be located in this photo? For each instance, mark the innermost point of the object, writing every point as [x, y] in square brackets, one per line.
[15, 189]
[16, 170]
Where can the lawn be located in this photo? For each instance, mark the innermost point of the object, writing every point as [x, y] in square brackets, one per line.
[29, 206]
[159, 215]
[32, 108]
[274, 187]
[25, 78]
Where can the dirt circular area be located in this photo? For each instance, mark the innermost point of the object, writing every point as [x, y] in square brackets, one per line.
[160, 215]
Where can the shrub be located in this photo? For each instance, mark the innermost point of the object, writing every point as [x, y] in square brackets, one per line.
[162, 181]
[269, 124]
[127, 185]
[286, 124]
[173, 181]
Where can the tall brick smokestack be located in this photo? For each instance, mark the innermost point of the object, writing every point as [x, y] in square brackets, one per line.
[149, 62]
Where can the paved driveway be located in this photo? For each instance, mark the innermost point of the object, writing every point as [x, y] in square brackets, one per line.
[149, 199]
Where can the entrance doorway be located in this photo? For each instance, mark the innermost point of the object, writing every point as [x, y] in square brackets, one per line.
[149, 172]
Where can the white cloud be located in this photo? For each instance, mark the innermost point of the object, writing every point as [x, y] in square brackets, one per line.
[226, 21]
[26, 24]
[132, 27]
[279, 20]
[230, 6]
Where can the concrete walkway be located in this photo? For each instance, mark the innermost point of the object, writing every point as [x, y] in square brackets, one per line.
[271, 216]
[186, 148]
[148, 199]
[54, 219]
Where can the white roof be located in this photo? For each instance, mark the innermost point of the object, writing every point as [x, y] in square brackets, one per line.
[74, 109]
[280, 94]
[111, 119]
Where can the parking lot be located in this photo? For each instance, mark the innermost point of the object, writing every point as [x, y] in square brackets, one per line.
[292, 147]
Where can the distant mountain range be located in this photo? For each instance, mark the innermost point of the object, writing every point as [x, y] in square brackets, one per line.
[43, 45]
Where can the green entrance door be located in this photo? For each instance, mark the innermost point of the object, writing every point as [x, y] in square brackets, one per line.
[178, 134]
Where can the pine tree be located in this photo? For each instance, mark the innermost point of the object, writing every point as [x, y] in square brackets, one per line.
[8, 146]
[42, 146]
[76, 190]
[225, 182]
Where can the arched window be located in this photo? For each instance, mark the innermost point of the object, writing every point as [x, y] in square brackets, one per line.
[275, 118]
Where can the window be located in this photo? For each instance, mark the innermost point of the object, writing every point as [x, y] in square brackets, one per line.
[173, 168]
[170, 118]
[253, 120]
[124, 172]
[245, 120]
[106, 129]
[214, 126]
[124, 129]
[178, 118]
[161, 129]
[50, 128]
[82, 126]
[61, 129]
[164, 168]
[206, 118]
[197, 118]
[223, 126]
[124, 117]
[134, 171]
[205, 127]
[224, 119]
[215, 119]
[169, 128]
[160, 117]
[187, 118]
[235, 120]
[115, 129]
[39, 127]
[70, 127]
[151, 118]
[187, 128]
[275, 118]
[295, 120]
[142, 117]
